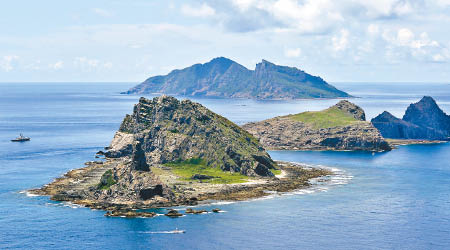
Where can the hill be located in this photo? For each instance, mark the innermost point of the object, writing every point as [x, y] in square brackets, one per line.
[340, 127]
[224, 78]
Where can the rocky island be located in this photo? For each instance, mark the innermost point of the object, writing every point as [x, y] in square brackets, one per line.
[340, 127]
[224, 78]
[170, 152]
[423, 120]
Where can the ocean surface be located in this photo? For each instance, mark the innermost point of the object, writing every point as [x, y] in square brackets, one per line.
[394, 200]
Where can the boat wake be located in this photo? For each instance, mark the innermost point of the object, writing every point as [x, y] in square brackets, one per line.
[166, 232]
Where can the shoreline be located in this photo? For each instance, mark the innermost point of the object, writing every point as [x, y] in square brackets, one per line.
[294, 177]
[403, 142]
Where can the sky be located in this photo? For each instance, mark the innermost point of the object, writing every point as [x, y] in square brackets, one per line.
[129, 41]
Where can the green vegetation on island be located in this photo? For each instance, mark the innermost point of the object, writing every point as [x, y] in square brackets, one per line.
[328, 118]
[197, 166]
[224, 78]
[107, 180]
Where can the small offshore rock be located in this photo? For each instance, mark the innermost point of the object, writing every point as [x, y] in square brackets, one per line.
[129, 214]
[173, 213]
[216, 210]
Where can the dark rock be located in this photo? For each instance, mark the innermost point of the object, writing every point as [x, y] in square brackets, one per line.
[193, 211]
[202, 177]
[151, 192]
[422, 120]
[173, 213]
[139, 158]
[351, 108]
[223, 77]
[129, 214]
[216, 210]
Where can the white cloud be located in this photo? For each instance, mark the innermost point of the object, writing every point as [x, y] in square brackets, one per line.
[373, 29]
[107, 65]
[243, 5]
[292, 53]
[102, 12]
[7, 63]
[57, 65]
[442, 3]
[340, 41]
[198, 11]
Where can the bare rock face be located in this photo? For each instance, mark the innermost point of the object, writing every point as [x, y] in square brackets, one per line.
[139, 158]
[284, 133]
[171, 130]
[351, 108]
[422, 120]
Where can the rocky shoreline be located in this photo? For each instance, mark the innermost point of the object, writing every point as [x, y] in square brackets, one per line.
[341, 127]
[294, 177]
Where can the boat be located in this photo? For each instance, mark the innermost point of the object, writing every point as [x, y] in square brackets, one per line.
[177, 231]
[21, 138]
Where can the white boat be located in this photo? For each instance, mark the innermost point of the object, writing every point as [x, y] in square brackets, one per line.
[177, 231]
[21, 138]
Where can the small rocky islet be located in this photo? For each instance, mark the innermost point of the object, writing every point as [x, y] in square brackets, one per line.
[422, 121]
[169, 153]
[340, 127]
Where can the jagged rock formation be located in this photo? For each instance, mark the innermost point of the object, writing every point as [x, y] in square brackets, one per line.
[422, 120]
[172, 130]
[162, 130]
[341, 127]
[223, 77]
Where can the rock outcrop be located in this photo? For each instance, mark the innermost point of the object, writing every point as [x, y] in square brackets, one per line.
[172, 130]
[422, 120]
[163, 130]
[225, 78]
[341, 127]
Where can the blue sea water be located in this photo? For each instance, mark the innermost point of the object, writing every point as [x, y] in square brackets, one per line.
[394, 200]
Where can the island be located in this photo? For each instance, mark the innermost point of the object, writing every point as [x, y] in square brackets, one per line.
[224, 78]
[169, 153]
[340, 127]
[423, 122]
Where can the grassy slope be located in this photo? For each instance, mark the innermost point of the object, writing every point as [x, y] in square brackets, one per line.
[331, 117]
[186, 169]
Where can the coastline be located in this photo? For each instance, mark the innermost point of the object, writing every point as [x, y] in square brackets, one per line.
[293, 177]
[403, 142]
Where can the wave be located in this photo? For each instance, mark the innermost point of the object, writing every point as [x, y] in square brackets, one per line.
[28, 194]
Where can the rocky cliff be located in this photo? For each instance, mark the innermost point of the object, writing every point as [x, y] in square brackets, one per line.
[170, 130]
[160, 153]
[223, 77]
[422, 120]
[341, 127]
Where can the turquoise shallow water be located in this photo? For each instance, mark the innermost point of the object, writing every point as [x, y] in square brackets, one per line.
[394, 200]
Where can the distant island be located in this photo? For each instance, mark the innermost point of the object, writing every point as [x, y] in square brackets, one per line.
[423, 120]
[169, 153]
[340, 127]
[224, 78]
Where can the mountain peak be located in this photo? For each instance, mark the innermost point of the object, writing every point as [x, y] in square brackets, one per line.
[351, 108]
[221, 60]
[422, 120]
[222, 77]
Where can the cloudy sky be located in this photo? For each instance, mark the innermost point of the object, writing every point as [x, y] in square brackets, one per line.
[109, 40]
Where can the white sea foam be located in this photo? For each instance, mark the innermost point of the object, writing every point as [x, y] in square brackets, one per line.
[28, 194]
[161, 232]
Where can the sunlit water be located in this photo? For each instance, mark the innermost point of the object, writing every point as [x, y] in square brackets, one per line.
[394, 200]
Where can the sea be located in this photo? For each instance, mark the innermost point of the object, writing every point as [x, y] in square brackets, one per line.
[392, 200]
